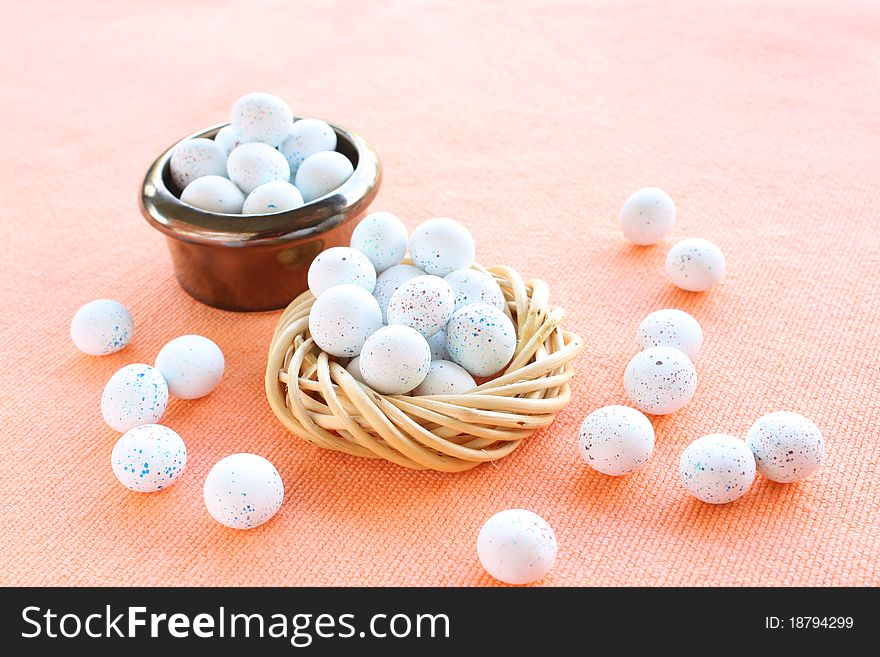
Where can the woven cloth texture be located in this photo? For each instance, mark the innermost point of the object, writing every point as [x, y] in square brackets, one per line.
[530, 123]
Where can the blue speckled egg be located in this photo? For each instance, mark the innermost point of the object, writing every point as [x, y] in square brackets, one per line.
[425, 303]
[340, 265]
[381, 237]
[135, 395]
[243, 491]
[307, 137]
[517, 546]
[388, 282]
[481, 339]
[472, 286]
[717, 468]
[196, 158]
[395, 359]
[101, 327]
[192, 365]
[787, 446]
[148, 458]
[616, 440]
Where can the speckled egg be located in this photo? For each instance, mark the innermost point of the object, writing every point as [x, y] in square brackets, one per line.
[517, 546]
[445, 378]
[101, 327]
[647, 216]
[148, 458]
[195, 158]
[717, 469]
[441, 245]
[192, 365]
[322, 173]
[481, 339]
[437, 342]
[472, 286]
[381, 237]
[395, 359]
[254, 164]
[354, 368]
[660, 380]
[243, 491]
[424, 303]
[389, 281]
[787, 446]
[228, 139]
[135, 395]
[276, 196]
[695, 264]
[616, 440]
[262, 117]
[342, 319]
[671, 327]
[340, 265]
[308, 136]
[213, 194]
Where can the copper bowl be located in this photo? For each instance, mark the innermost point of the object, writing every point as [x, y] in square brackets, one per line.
[258, 261]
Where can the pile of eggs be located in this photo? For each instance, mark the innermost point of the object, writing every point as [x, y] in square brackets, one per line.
[426, 328]
[262, 162]
[241, 490]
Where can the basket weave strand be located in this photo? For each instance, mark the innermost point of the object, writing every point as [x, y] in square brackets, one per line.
[318, 400]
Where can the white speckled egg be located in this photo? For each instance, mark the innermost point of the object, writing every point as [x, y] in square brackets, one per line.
[695, 264]
[343, 318]
[254, 164]
[262, 117]
[481, 339]
[308, 136]
[671, 327]
[135, 395]
[445, 378]
[148, 458]
[439, 246]
[195, 158]
[660, 380]
[101, 327]
[322, 173]
[395, 359]
[214, 194]
[192, 365]
[647, 216]
[388, 282]
[382, 237]
[228, 139]
[341, 265]
[275, 196]
[424, 303]
[437, 342]
[787, 446]
[243, 491]
[517, 546]
[472, 286]
[616, 440]
[717, 468]
[354, 368]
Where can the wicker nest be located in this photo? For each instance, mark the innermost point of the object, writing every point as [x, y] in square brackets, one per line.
[318, 400]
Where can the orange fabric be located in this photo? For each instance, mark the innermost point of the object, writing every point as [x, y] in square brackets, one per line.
[531, 124]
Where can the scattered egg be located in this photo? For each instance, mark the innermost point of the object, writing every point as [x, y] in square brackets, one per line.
[354, 368]
[195, 158]
[517, 546]
[254, 164]
[262, 117]
[213, 194]
[788, 447]
[647, 216]
[192, 365]
[343, 318]
[243, 491]
[395, 359]
[481, 339]
[472, 286]
[437, 342]
[439, 246]
[695, 264]
[341, 265]
[148, 458]
[228, 139]
[101, 327]
[425, 303]
[717, 469]
[275, 196]
[322, 173]
[389, 281]
[660, 380]
[445, 378]
[382, 237]
[616, 440]
[671, 327]
[308, 136]
[135, 395]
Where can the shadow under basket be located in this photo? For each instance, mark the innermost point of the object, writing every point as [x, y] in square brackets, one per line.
[319, 401]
